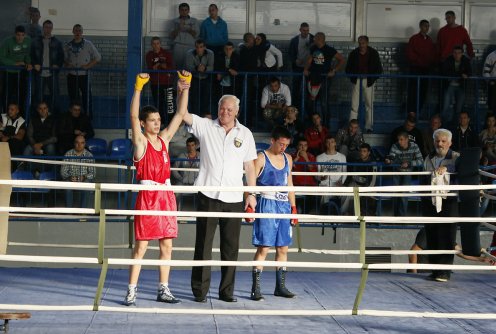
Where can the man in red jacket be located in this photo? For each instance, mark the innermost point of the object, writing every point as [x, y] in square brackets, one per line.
[451, 35]
[316, 135]
[422, 56]
[159, 59]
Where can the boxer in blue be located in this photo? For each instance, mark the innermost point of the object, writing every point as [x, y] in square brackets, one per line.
[273, 168]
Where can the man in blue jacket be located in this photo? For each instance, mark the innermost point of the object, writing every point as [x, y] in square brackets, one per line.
[213, 31]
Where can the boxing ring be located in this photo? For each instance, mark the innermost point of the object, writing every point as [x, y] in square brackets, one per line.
[88, 298]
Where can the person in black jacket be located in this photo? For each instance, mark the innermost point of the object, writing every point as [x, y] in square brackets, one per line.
[41, 133]
[73, 123]
[228, 62]
[248, 62]
[464, 136]
[365, 61]
[46, 69]
[457, 66]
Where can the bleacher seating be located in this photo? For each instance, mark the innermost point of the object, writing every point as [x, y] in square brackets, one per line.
[97, 146]
[120, 148]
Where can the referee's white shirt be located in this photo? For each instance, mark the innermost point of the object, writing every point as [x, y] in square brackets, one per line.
[222, 156]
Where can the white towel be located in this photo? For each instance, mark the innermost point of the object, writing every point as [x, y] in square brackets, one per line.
[439, 180]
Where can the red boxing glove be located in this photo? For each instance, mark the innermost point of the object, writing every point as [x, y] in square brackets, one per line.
[294, 211]
[249, 209]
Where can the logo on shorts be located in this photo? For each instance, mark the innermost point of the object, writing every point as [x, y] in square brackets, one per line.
[238, 142]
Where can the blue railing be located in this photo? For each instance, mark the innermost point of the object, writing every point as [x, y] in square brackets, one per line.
[107, 104]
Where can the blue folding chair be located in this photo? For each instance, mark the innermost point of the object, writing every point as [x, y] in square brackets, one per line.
[120, 148]
[261, 146]
[97, 146]
[22, 175]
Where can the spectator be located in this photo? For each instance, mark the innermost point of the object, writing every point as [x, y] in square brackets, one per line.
[33, 28]
[422, 56]
[319, 70]
[183, 33]
[161, 84]
[41, 133]
[80, 56]
[414, 134]
[302, 155]
[248, 62]
[316, 135]
[178, 141]
[428, 141]
[451, 35]
[190, 159]
[299, 51]
[78, 172]
[269, 57]
[489, 71]
[458, 66]
[440, 236]
[47, 56]
[213, 31]
[13, 129]
[14, 51]
[464, 136]
[365, 61]
[367, 203]
[407, 155]
[300, 160]
[275, 98]
[227, 62]
[487, 138]
[293, 125]
[349, 140]
[73, 123]
[331, 161]
[200, 61]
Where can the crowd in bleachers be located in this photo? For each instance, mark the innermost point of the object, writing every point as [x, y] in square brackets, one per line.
[204, 46]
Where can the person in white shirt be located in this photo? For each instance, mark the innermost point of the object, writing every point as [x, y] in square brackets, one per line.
[275, 98]
[227, 148]
[334, 162]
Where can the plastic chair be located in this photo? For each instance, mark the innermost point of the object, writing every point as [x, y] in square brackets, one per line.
[261, 146]
[97, 146]
[120, 148]
[22, 175]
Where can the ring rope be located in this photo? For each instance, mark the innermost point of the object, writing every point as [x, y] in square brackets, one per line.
[194, 189]
[247, 250]
[313, 218]
[243, 312]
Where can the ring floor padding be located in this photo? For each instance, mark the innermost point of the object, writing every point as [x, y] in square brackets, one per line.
[465, 293]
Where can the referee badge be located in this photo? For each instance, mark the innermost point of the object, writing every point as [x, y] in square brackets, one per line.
[238, 142]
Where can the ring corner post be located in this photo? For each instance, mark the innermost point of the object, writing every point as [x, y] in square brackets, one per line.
[5, 192]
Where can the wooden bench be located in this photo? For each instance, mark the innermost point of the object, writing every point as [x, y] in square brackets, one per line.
[12, 316]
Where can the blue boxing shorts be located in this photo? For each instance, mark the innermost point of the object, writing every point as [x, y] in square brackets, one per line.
[271, 232]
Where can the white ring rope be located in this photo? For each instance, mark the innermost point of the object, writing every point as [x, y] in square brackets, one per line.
[247, 250]
[219, 263]
[311, 218]
[179, 189]
[245, 312]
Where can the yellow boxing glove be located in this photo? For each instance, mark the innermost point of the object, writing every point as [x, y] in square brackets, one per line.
[140, 82]
[186, 78]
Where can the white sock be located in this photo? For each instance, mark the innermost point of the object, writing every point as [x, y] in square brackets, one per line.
[131, 286]
[163, 284]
